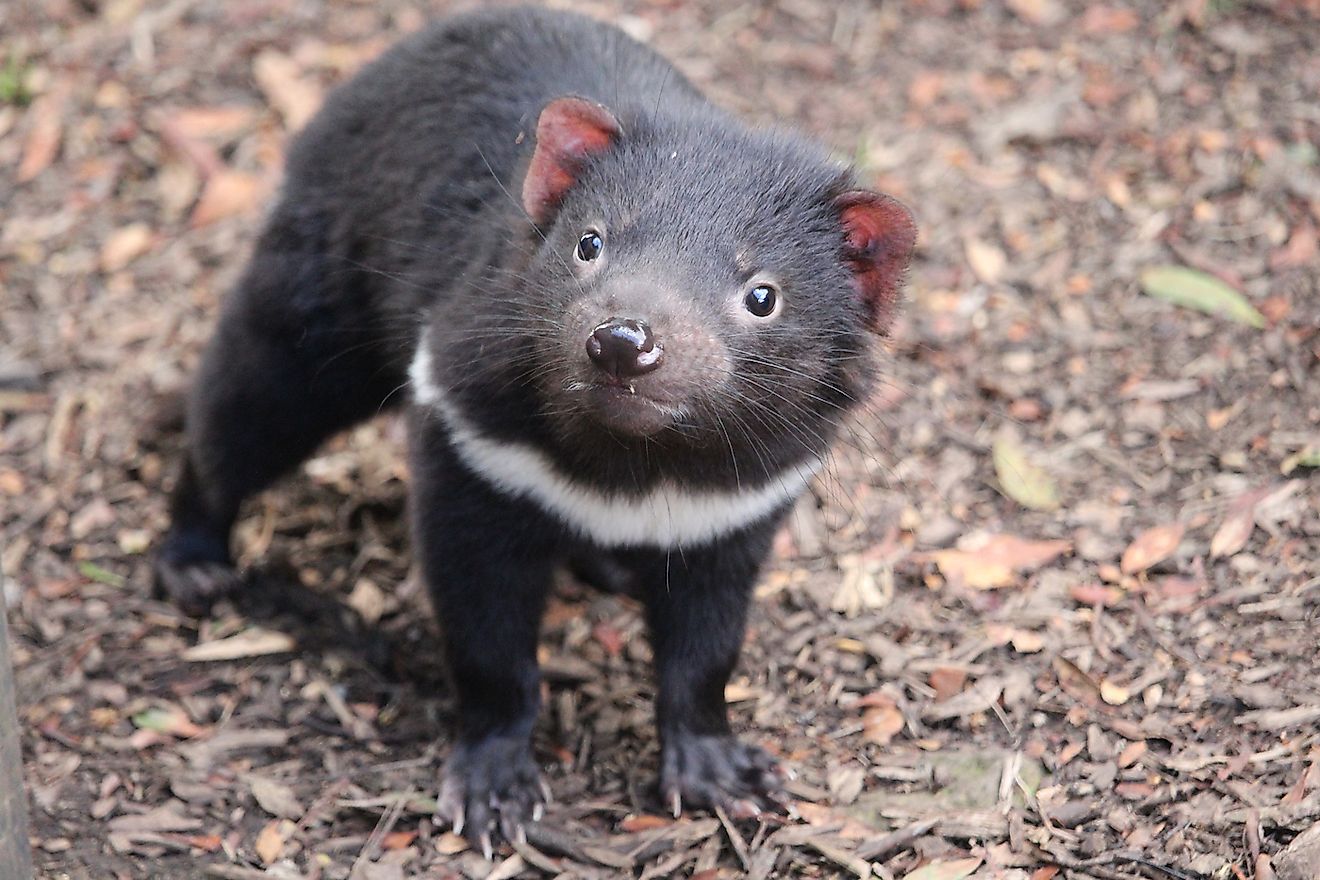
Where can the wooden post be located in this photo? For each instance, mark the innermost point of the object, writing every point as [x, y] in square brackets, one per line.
[15, 859]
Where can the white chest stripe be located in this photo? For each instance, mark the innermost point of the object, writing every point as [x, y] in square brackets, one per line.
[667, 516]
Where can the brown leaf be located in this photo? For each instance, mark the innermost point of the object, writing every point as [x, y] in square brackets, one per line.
[1233, 532]
[254, 642]
[1096, 594]
[990, 562]
[609, 637]
[398, 839]
[1151, 547]
[644, 822]
[955, 869]
[1132, 753]
[449, 844]
[43, 140]
[276, 798]
[222, 123]
[1114, 694]
[271, 840]
[280, 79]
[1076, 682]
[368, 600]
[227, 193]
[1041, 12]
[125, 245]
[1300, 250]
[980, 697]
[205, 842]
[1236, 529]
[1098, 20]
[882, 723]
[947, 681]
[167, 817]
[986, 260]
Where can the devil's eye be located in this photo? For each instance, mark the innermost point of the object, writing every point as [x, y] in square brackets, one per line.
[589, 246]
[761, 300]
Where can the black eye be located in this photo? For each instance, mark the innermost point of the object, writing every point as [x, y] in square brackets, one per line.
[760, 300]
[589, 246]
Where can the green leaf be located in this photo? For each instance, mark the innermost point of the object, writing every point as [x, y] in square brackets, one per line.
[1307, 458]
[94, 572]
[159, 720]
[1021, 480]
[1197, 290]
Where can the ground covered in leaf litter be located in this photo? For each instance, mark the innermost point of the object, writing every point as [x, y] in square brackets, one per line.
[1054, 611]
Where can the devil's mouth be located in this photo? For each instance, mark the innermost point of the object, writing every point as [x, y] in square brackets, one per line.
[622, 406]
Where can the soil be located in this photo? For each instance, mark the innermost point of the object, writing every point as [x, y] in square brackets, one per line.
[1053, 610]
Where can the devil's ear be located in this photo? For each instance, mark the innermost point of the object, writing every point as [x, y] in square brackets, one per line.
[878, 237]
[568, 132]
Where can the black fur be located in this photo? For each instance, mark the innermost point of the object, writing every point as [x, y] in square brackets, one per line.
[401, 213]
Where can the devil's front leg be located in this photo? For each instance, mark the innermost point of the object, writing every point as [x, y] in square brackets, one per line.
[696, 603]
[487, 560]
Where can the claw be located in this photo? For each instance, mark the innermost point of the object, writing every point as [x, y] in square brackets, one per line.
[538, 811]
[545, 792]
[487, 849]
[520, 834]
[459, 817]
[675, 803]
[744, 808]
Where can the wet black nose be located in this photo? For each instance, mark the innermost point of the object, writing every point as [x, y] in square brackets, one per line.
[624, 348]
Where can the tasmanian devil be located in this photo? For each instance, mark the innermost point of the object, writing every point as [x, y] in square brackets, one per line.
[627, 327]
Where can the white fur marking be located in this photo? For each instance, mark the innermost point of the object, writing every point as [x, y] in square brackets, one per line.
[666, 516]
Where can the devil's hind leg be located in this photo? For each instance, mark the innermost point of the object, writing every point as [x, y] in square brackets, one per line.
[289, 365]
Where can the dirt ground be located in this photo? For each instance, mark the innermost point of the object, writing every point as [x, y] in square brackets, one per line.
[1054, 610]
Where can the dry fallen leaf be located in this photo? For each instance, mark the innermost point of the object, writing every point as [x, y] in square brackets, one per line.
[947, 681]
[368, 600]
[222, 123]
[1132, 753]
[944, 870]
[1096, 594]
[1041, 12]
[276, 798]
[1151, 547]
[398, 839]
[882, 720]
[1114, 695]
[225, 194]
[1023, 641]
[644, 822]
[865, 586]
[125, 245]
[995, 561]
[43, 140]
[1233, 532]
[1076, 682]
[271, 840]
[1100, 19]
[1021, 480]
[281, 81]
[978, 697]
[986, 260]
[449, 844]
[1301, 249]
[253, 642]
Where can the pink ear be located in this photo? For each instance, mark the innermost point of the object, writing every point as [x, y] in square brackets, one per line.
[878, 237]
[568, 132]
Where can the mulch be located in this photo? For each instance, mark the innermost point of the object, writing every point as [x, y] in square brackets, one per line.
[1052, 611]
